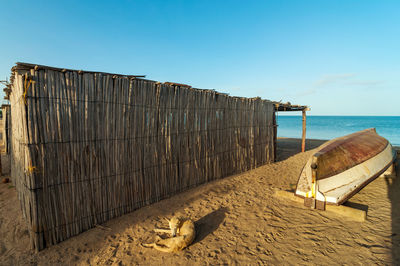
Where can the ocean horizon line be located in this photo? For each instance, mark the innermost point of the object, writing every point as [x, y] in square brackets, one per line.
[329, 127]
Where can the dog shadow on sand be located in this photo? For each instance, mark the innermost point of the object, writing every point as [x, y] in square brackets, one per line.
[209, 223]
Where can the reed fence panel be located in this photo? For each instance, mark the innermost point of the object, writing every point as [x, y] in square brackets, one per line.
[88, 147]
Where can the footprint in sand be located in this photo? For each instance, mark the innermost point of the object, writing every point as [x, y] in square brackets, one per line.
[2, 249]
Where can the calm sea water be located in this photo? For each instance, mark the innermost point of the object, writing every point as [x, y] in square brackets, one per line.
[328, 127]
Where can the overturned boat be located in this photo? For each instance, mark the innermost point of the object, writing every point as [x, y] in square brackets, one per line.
[343, 166]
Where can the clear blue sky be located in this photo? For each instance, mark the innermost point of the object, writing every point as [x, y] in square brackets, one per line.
[339, 57]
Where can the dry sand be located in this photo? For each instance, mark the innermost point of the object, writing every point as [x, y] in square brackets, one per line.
[238, 221]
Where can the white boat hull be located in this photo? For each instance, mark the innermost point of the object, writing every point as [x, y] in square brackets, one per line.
[336, 188]
[343, 166]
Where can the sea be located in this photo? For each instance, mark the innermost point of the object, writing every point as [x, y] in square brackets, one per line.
[328, 127]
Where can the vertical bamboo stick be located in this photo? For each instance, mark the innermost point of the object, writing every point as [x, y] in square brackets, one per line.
[303, 137]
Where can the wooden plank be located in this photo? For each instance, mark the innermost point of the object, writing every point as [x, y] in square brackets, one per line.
[22, 65]
[390, 172]
[351, 213]
[303, 137]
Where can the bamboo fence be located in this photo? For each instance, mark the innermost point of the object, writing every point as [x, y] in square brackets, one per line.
[88, 147]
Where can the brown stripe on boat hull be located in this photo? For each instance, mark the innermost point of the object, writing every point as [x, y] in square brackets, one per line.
[348, 151]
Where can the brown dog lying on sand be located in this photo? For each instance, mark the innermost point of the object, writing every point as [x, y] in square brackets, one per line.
[182, 231]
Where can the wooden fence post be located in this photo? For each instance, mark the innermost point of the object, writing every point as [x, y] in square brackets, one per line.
[303, 139]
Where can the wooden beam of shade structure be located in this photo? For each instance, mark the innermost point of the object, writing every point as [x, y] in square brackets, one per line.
[28, 66]
[288, 107]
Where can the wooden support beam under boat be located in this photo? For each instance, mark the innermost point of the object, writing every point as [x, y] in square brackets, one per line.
[349, 212]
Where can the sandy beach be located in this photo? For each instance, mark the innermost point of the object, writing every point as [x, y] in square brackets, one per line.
[238, 221]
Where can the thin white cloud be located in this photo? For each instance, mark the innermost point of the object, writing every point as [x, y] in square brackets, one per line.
[344, 80]
[324, 81]
[306, 92]
[365, 82]
[331, 79]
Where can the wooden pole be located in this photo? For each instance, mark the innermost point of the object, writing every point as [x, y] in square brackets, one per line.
[275, 134]
[303, 139]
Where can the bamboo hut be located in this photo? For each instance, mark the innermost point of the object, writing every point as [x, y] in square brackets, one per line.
[91, 146]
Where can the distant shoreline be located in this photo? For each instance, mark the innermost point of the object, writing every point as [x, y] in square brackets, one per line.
[329, 127]
[396, 147]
